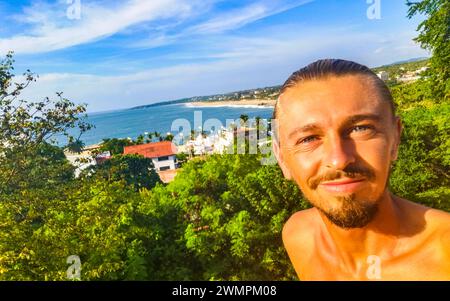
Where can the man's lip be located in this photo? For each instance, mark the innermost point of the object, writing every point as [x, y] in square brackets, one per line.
[342, 185]
[341, 182]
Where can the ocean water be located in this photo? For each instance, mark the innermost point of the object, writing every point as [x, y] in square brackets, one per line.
[133, 122]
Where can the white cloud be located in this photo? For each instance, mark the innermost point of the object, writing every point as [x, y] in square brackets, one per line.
[225, 21]
[400, 45]
[51, 30]
[251, 13]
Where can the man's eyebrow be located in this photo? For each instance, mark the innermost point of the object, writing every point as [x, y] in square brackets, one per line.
[305, 128]
[351, 120]
[361, 117]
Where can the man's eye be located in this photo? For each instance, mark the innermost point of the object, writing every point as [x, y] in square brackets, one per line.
[361, 128]
[306, 140]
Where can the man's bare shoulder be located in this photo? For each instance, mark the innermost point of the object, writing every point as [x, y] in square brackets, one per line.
[439, 221]
[434, 218]
[300, 227]
[298, 237]
[438, 218]
[437, 224]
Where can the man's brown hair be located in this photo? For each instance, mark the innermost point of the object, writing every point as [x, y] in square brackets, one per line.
[335, 67]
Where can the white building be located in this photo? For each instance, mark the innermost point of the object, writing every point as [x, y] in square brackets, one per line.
[383, 75]
[82, 160]
[205, 145]
[163, 154]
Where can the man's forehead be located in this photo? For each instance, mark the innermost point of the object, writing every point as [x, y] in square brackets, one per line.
[334, 96]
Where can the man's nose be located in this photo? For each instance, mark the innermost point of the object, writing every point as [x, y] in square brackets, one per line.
[339, 153]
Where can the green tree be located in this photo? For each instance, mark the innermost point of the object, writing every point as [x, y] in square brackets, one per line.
[421, 172]
[163, 221]
[182, 158]
[91, 219]
[140, 139]
[434, 35]
[26, 129]
[26, 126]
[75, 145]
[168, 137]
[234, 210]
[243, 119]
[137, 171]
[115, 145]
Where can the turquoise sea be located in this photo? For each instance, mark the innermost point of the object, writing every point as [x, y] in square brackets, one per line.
[133, 122]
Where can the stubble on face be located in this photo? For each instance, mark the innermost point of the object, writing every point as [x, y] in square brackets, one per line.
[351, 211]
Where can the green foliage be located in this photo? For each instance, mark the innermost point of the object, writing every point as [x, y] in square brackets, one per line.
[424, 156]
[137, 171]
[182, 158]
[26, 127]
[92, 221]
[236, 209]
[75, 146]
[39, 167]
[434, 35]
[410, 95]
[140, 139]
[243, 118]
[115, 146]
[168, 137]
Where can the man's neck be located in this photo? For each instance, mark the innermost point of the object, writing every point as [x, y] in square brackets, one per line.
[379, 237]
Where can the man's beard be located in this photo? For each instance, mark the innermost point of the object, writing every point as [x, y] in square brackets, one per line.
[351, 212]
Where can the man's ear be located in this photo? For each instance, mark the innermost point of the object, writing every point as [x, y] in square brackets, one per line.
[277, 152]
[398, 133]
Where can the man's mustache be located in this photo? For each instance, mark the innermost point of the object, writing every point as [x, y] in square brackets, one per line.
[351, 171]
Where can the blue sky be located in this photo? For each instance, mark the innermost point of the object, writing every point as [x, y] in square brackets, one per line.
[119, 54]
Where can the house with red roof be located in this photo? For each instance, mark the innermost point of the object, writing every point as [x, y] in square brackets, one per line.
[162, 154]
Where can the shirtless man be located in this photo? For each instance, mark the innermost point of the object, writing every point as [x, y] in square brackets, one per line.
[337, 135]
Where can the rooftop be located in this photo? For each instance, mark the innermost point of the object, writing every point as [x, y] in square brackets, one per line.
[152, 150]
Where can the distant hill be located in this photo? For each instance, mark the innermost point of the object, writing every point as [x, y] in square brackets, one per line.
[272, 92]
[409, 61]
[259, 93]
[398, 69]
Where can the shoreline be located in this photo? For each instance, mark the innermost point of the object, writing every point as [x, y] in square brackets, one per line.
[251, 103]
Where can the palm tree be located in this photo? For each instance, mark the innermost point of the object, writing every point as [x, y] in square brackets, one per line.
[75, 146]
[244, 119]
[258, 119]
[140, 139]
[169, 137]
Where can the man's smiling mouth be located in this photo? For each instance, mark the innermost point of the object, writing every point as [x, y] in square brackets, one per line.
[342, 185]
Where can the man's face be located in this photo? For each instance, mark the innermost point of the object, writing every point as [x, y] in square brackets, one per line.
[337, 139]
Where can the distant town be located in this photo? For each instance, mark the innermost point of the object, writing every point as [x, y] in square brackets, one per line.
[166, 156]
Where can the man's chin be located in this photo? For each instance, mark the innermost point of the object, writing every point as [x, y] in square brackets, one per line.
[350, 213]
[350, 221]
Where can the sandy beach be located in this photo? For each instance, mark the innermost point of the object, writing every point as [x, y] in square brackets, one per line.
[236, 103]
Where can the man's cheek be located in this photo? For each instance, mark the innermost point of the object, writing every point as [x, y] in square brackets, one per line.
[375, 156]
[301, 171]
